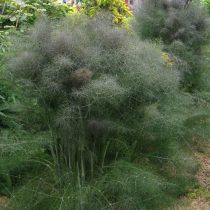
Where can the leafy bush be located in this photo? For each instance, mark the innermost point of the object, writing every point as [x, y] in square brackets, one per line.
[4, 42]
[14, 13]
[206, 3]
[91, 74]
[183, 29]
[118, 9]
[22, 156]
[19, 119]
[22, 139]
[87, 66]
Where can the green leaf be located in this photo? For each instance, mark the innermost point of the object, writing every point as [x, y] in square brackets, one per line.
[13, 19]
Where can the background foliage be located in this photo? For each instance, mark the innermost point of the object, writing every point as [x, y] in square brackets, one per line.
[207, 4]
[14, 13]
[118, 9]
[184, 30]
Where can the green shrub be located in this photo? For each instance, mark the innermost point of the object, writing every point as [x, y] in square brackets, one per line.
[206, 3]
[22, 157]
[14, 14]
[106, 97]
[88, 71]
[86, 74]
[184, 30]
[18, 146]
[118, 8]
[19, 138]
[4, 42]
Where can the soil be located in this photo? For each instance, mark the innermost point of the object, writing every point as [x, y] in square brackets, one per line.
[199, 198]
[3, 200]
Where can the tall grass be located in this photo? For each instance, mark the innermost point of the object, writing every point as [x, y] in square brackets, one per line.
[125, 186]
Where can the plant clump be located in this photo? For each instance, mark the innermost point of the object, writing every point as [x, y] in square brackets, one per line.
[184, 30]
[108, 97]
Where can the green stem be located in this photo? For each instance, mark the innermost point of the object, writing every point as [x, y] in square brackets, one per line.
[104, 154]
[4, 7]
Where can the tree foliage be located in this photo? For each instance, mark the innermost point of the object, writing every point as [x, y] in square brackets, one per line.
[104, 91]
[118, 8]
[14, 13]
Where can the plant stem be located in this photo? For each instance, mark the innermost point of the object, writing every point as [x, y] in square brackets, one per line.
[104, 154]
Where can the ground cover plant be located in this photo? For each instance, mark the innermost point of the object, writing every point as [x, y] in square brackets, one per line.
[116, 119]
